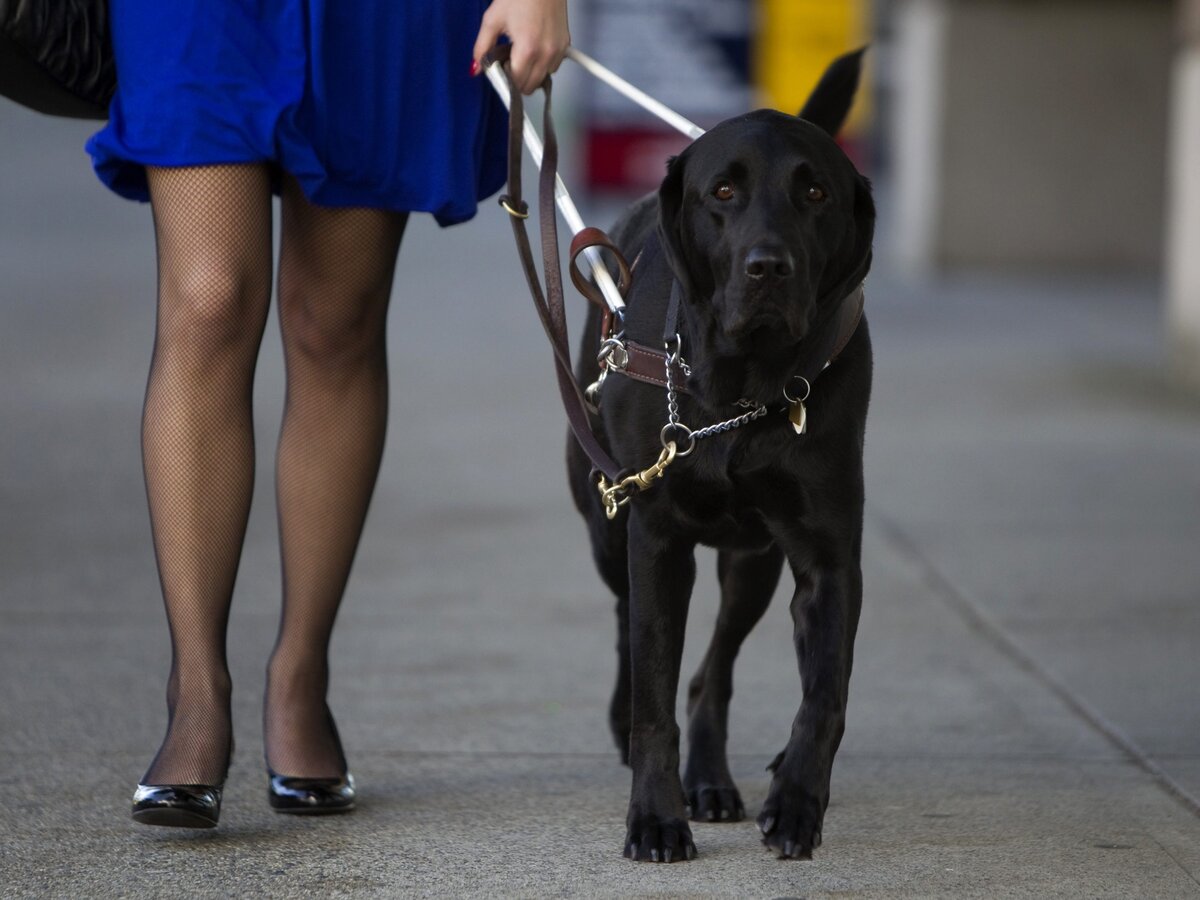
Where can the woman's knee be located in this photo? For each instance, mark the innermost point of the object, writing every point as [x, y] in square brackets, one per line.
[332, 326]
[213, 303]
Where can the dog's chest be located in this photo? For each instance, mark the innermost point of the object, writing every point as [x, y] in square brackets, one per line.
[714, 505]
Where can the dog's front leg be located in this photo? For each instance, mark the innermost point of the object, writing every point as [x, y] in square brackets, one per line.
[662, 570]
[825, 610]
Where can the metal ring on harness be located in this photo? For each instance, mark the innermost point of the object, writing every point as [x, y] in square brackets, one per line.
[674, 357]
[807, 390]
[522, 213]
[689, 437]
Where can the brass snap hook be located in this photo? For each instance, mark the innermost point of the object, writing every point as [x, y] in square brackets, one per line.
[614, 496]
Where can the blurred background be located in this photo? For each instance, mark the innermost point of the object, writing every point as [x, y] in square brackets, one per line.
[1050, 135]
[1025, 709]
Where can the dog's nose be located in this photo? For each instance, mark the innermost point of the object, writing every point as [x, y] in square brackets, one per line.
[769, 262]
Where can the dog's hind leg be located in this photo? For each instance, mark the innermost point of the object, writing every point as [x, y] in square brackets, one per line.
[748, 581]
[825, 610]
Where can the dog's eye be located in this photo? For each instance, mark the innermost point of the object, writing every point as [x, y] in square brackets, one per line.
[815, 194]
[723, 191]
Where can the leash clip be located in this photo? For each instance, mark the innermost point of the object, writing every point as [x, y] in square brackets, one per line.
[613, 354]
[614, 496]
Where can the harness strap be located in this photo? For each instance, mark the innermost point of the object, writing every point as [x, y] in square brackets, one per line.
[648, 364]
[548, 303]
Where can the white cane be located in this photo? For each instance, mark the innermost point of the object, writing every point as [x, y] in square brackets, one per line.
[638, 96]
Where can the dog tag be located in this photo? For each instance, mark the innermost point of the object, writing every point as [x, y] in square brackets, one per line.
[798, 416]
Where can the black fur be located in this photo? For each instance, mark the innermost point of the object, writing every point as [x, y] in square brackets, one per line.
[758, 270]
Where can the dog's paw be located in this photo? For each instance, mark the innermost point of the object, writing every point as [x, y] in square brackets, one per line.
[715, 803]
[791, 824]
[659, 839]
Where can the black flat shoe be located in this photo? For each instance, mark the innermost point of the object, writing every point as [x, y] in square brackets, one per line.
[177, 805]
[310, 796]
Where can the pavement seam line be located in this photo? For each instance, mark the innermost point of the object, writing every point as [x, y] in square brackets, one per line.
[978, 620]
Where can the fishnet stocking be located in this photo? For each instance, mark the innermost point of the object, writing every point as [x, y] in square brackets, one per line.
[213, 231]
[335, 276]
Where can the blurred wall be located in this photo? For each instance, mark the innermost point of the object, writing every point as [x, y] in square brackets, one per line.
[1031, 133]
[1183, 244]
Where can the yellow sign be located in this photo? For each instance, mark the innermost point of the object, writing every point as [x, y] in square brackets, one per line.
[796, 40]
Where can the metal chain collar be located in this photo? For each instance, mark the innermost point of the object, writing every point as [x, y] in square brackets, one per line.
[677, 428]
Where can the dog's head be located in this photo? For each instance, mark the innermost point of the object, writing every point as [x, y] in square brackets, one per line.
[766, 224]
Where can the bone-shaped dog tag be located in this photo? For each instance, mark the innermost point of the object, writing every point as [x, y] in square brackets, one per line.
[798, 416]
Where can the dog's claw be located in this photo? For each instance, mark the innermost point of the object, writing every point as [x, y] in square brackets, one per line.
[791, 824]
[715, 802]
[659, 840]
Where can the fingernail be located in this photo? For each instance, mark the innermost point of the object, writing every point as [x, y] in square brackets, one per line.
[474, 67]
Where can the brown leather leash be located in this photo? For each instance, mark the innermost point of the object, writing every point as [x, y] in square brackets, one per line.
[549, 301]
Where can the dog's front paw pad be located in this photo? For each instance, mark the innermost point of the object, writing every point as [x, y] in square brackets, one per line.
[792, 831]
[710, 803]
[651, 839]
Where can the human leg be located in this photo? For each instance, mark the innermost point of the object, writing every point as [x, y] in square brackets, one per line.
[335, 277]
[213, 234]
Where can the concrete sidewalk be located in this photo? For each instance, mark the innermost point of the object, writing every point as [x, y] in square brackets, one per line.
[1024, 702]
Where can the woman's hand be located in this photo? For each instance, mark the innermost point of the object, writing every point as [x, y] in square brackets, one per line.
[539, 35]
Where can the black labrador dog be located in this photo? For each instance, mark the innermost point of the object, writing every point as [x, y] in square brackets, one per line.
[762, 229]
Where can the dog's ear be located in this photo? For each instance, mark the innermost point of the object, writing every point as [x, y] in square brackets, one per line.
[670, 230]
[857, 249]
[829, 103]
[864, 226]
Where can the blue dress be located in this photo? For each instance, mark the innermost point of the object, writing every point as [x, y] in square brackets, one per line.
[365, 102]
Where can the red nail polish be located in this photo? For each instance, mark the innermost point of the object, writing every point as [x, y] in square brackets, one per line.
[474, 67]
